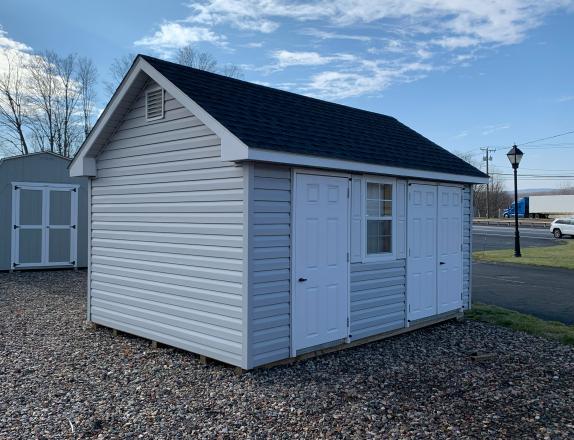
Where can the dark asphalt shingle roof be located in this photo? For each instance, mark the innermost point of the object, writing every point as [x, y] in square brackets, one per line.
[271, 119]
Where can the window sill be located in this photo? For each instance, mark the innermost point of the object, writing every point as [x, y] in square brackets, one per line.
[379, 258]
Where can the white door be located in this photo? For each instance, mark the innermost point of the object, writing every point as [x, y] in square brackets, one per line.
[44, 230]
[422, 256]
[449, 248]
[320, 290]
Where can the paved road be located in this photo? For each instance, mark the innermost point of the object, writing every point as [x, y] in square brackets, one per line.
[502, 237]
[540, 291]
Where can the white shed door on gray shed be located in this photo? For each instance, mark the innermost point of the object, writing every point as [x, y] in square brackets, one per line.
[320, 290]
[44, 231]
[434, 264]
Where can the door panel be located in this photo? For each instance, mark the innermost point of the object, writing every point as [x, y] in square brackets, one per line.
[321, 244]
[60, 207]
[449, 249]
[422, 259]
[30, 210]
[30, 246]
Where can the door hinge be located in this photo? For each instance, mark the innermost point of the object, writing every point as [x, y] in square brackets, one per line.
[73, 226]
[74, 189]
[16, 226]
[14, 264]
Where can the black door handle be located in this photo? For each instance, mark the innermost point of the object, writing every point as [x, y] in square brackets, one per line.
[442, 262]
[301, 280]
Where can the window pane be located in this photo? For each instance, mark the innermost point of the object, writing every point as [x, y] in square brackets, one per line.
[373, 208]
[387, 192]
[379, 236]
[387, 208]
[372, 190]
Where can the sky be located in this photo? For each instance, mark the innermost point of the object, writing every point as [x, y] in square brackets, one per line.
[464, 73]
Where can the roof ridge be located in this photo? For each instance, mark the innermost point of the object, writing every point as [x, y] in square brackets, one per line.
[274, 89]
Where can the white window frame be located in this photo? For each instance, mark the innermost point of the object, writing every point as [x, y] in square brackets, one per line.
[368, 258]
[147, 93]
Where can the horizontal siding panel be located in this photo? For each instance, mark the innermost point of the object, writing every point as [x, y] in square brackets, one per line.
[176, 228]
[171, 325]
[263, 288]
[169, 217]
[190, 244]
[185, 291]
[174, 166]
[151, 129]
[180, 176]
[180, 258]
[222, 326]
[167, 147]
[170, 207]
[158, 333]
[218, 184]
[218, 275]
[270, 334]
[267, 183]
[158, 138]
[378, 297]
[162, 156]
[184, 302]
[273, 172]
[227, 195]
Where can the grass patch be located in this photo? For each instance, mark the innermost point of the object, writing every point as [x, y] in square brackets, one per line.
[553, 256]
[521, 322]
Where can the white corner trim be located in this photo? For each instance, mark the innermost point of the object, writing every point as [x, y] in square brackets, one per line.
[259, 154]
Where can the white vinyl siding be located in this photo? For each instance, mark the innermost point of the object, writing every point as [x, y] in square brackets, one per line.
[270, 264]
[378, 297]
[167, 235]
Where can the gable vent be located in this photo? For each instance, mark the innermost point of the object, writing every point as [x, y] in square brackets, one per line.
[154, 104]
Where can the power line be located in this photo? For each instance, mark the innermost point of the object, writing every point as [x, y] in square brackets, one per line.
[545, 138]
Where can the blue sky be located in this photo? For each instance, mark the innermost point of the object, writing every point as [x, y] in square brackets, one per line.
[466, 74]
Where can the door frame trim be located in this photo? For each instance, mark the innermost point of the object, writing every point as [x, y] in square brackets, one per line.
[45, 187]
[294, 173]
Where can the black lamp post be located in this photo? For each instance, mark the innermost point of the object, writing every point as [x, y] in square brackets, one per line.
[515, 156]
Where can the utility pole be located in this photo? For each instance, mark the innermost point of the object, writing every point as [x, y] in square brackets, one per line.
[487, 158]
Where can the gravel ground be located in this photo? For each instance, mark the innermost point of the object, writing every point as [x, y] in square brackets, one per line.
[59, 379]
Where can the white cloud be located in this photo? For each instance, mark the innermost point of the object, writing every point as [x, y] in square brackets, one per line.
[489, 129]
[565, 98]
[287, 58]
[326, 35]
[13, 50]
[173, 35]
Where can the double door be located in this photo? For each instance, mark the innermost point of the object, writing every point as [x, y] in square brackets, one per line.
[434, 264]
[44, 225]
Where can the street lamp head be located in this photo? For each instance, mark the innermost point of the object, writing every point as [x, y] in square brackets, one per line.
[515, 156]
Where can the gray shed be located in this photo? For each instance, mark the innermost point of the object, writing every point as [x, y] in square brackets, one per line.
[44, 213]
[253, 225]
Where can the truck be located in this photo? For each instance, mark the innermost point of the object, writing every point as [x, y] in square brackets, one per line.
[542, 206]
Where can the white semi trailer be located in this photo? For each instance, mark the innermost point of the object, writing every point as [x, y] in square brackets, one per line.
[551, 206]
[543, 206]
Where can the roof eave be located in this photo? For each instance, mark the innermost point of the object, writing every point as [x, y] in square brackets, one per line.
[279, 157]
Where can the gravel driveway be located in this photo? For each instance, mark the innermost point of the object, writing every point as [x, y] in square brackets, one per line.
[60, 380]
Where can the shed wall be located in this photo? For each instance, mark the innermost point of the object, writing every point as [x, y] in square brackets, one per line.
[467, 246]
[167, 234]
[39, 168]
[270, 297]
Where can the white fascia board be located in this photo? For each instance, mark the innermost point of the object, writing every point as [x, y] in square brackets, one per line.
[232, 148]
[262, 155]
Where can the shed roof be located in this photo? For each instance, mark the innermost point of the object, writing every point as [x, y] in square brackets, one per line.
[271, 119]
[36, 153]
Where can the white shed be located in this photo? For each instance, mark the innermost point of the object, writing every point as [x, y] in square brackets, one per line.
[253, 225]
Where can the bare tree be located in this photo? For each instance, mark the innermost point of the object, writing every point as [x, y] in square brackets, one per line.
[498, 199]
[12, 104]
[117, 71]
[87, 78]
[67, 99]
[190, 57]
[43, 86]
